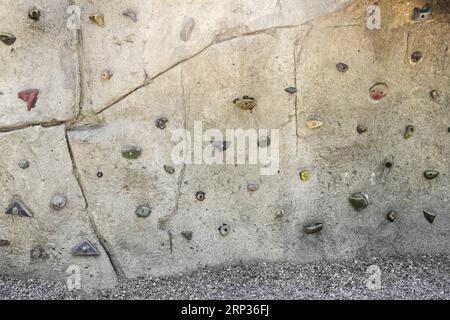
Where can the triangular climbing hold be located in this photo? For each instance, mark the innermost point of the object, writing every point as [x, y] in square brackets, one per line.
[85, 248]
[30, 96]
[18, 208]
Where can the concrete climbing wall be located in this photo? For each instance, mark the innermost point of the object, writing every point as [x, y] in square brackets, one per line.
[360, 112]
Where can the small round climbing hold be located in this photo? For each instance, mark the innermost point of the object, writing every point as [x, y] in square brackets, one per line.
[224, 229]
[416, 56]
[252, 186]
[434, 94]
[131, 152]
[34, 14]
[304, 175]
[378, 91]
[359, 200]
[342, 67]
[391, 216]
[143, 211]
[200, 196]
[24, 164]
[58, 201]
[99, 174]
[161, 123]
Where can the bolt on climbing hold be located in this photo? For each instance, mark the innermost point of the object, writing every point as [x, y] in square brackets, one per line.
[313, 228]
[304, 175]
[416, 56]
[359, 200]
[98, 19]
[430, 216]
[263, 141]
[224, 229]
[130, 14]
[200, 196]
[361, 129]
[314, 123]
[143, 211]
[186, 28]
[252, 186]
[4, 243]
[391, 216]
[431, 174]
[245, 103]
[107, 75]
[187, 235]
[30, 96]
[169, 169]
[58, 201]
[161, 122]
[38, 253]
[409, 131]
[34, 14]
[420, 14]
[85, 248]
[99, 174]
[24, 164]
[434, 94]
[131, 152]
[18, 208]
[291, 90]
[7, 38]
[341, 67]
[378, 91]
[221, 145]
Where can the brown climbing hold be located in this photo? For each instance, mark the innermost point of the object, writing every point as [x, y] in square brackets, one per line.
[342, 67]
[416, 56]
[252, 187]
[30, 96]
[378, 91]
[434, 94]
[107, 75]
[361, 129]
[98, 19]
[246, 103]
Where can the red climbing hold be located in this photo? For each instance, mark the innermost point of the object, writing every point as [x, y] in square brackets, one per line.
[30, 96]
[378, 91]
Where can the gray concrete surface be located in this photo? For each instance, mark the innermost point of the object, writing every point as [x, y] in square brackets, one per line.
[158, 67]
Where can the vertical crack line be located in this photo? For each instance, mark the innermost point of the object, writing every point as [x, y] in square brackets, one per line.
[80, 75]
[296, 96]
[105, 245]
[170, 241]
[408, 36]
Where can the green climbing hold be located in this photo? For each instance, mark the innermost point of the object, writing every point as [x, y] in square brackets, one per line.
[409, 132]
[359, 200]
[131, 152]
[304, 175]
[143, 211]
[431, 174]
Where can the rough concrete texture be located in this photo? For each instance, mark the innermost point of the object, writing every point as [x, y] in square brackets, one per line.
[159, 66]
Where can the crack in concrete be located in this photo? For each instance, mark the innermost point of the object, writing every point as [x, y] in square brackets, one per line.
[46, 124]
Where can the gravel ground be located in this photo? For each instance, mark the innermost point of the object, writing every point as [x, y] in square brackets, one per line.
[424, 277]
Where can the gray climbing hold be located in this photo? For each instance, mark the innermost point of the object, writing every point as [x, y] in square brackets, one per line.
[431, 174]
[18, 208]
[169, 169]
[34, 14]
[7, 38]
[85, 248]
[279, 213]
[245, 103]
[313, 228]
[221, 145]
[143, 211]
[58, 201]
[186, 28]
[161, 123]
[389, 162]
[130, 14]
[359, 200]
[4, 243]
[187, 235]
[420, 14]
[391, 216]
[341, 67]
[224, 229]
[263, 141]
[430, 216]
[291, 90]
[38, 253]
[131, 152]
[24, 164]
[200, 196]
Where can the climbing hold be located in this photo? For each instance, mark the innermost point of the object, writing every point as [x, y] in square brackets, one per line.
[30, 96]
[434, 94]
[263, 141]
[430, 216]
[143, 211]
[85, 248]
[421, 14]
[107, 75]
[187, 235]
[4, 243]
[416, 56]
[431, 174]
[18, 208]
[38, 253]
[291, 90]
[246, 103]
[169, 169]
[34, 14]
[130, 14]
[7, 38]
[200, 196]
[186, 28]
[304, 175]
[361, 129]
[314, 123]
[98, 19]
[378, 91]
[409, 131]
[24, 164]
[391, 216]
[279, 213]
[99, 174]
[221, 145]
[252, 186]
[389, 162]
[342, 67]
[58, 201]
[131, 152]
[224, 229]
[161, 123]
[313, 228]
[359, 200]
